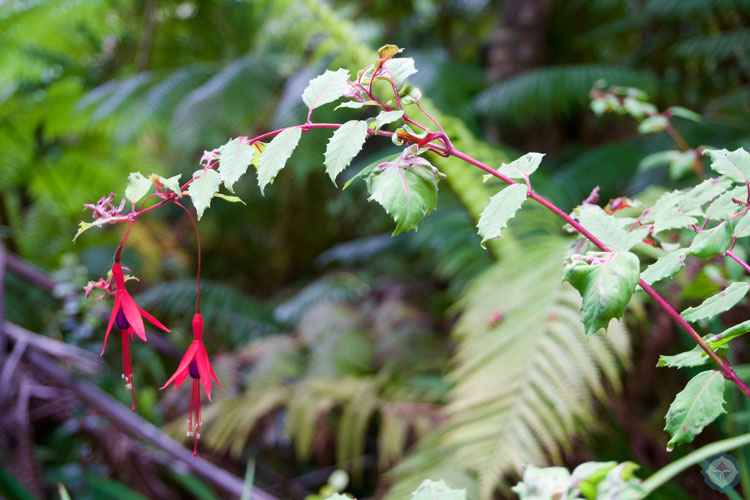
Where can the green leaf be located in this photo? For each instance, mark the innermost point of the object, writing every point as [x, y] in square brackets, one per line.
[234, 158]
[542, 483]
[326, 88]
[64, 495]
[723, 338]
[684, 113]
[606, 282]
[205, 184]
[406, 188]
[355, 104]
[710, 242]
[401, 68]
[652, 124]
[694, 357]
[345, 143]
[366, 171]
[696, 406]
[638, 109]
[665, 266]
[671, 218]
[733, 164]
[172, 183]
[742, 226]
[522, 167]
[717, 304]
[588, 475]
[605, 227]
[337, 496]
[621, 484]
[437, 490]
[276, 155]
[82, 227]
[386, 117]
[501, 208]
[138, 186]
[723, 206]
[231, 199]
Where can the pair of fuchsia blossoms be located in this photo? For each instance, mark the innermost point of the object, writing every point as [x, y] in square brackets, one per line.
[129, 319]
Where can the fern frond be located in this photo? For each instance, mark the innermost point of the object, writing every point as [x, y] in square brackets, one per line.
[716, 46]
[523, 385]
[540, 94]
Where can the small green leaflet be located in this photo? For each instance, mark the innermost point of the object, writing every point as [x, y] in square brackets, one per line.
[652, 124]
[606, 282]
[693, 357]
[733, 164]
[355, 104]
[723, 338]
[231, 199]
[234, 158]
[276, 155]
[205, 184]
[546, 483]
[343, 146]
[621, 483]
[437, 490]
[386, 117]
[406, 188]
[522, 167]
[670, 218]
[138, 186]
[717, 304]
[326, 88]
[666, 266]
[710, 242]
[696, 406]
[501, 208]
[172, 183]
[605, 228]
[684, 113]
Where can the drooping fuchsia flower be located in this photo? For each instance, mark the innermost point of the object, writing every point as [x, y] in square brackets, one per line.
[127, 315]
[195, 363]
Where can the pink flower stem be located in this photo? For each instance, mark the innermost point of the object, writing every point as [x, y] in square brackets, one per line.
[722, 363]
[736, 258]
[198, 240]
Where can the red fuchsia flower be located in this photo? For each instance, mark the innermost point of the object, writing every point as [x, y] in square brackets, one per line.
[195, 363]
[127, 315]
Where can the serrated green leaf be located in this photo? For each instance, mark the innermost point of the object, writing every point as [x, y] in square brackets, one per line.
[326, 88]
[82, 227]
[710, 242]
[605, 227]
[637, 235]
[345, 143]
[408, 192]
[437, 490]
[717, 304]
[522, 167]
[171, 183]
[652, 124]
[672, 219]
[276, 155]
[606, 282]
[234, 158]
[205, 184]
[588, 475]
[732, 164]
[138, 186]
[386, 117]
[400, 68]
[701, 194]
[684, 113]
[693, 357]
[696, 406]
[501, 208]
[723, 206]
[366, 171]
[665, 266]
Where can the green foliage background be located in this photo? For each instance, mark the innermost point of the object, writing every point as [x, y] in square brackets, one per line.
[395, 359]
